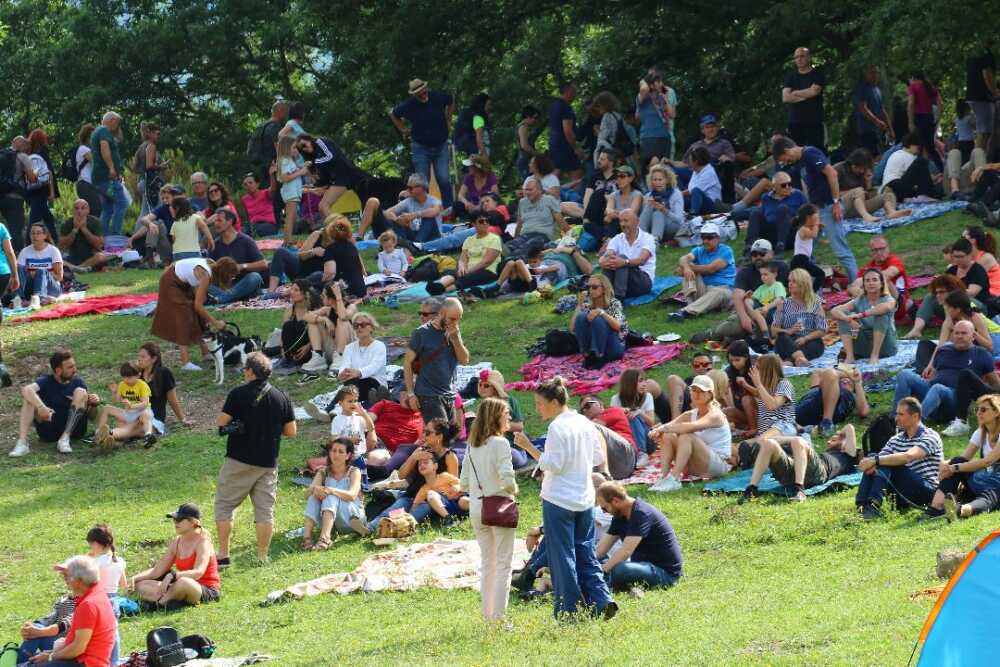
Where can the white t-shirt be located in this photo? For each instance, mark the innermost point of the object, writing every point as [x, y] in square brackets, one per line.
[39, 259]
[87, 169]
[647, 402]
[977, 439]
[111, 572]
[707, 181]
[352, 426]
[897, 165]
[644, 241]
[803, 246]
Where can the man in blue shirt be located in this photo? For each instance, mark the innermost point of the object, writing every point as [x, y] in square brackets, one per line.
[563, 150]
[649, 554]
[773, 219]
[429, 113]
[709, 271]
[823, 188]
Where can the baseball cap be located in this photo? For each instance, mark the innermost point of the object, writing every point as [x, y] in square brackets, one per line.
[709, 119]
[704, 383]
[709, 228]
[625, 169]
[185, 511]
[761, 245]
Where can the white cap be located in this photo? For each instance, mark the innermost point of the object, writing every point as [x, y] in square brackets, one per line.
[761, 245]
[704, 383]
[710, 228]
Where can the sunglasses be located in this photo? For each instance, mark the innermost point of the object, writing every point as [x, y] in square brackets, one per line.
[881, 249]
[214, 190]
[783, 185]
[706, 364]
[757, 253]
[982, 408]
[708, 237]
[594, 286]
[362, 325]
[427, 314]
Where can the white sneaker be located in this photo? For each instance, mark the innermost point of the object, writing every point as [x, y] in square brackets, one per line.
[35, 303]
[316, 363]
[63, 445]
[666, 484]
[642, 461]
[190, 366]
[21, 448]
[956, 427]
[385, 483]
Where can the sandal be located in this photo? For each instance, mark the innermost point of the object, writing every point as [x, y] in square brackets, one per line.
[323, 544]
[307, 543]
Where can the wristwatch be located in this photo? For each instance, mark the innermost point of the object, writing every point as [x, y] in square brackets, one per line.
[954, 467]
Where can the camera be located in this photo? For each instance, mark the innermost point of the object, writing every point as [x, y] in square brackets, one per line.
[235, 427]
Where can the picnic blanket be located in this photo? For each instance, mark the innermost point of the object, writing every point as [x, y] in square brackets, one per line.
[583, 381]
[145, 310]
[650, 473]
[921, 211]
[269, 244]
[906, 352]
[833, 299]
[660, 284]
[737, 481]
[443, 563]
[255, 303]
[95, 305]
[376, 294]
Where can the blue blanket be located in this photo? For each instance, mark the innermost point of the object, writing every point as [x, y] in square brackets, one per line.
[906, 351]
[920, 212]
[660, 284]
[737, 481]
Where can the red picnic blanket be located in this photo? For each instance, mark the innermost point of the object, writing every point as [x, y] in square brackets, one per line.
[583, 381]
[95, 305]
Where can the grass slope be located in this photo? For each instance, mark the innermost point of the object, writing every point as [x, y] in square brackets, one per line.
[769, 583]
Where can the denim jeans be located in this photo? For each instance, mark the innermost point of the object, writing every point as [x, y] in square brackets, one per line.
[625, 575]
[911, 489]
[934, 398]
[640, 432]
[452, 241]
[984, 480]
[285, 263]
[39, 211]
[426, 157]
[427, 230]
[30, 647]
[12, 214]
[598, 338]
[178, 256]
[244, 288]
[43, 283]
[113, 206]
[576, 573]
[684, 175]
[700, 203]
[836, 233]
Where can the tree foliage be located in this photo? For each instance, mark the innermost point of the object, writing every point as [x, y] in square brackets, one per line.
[208, 71]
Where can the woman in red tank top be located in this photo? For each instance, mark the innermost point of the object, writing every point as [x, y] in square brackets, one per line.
[188, 573]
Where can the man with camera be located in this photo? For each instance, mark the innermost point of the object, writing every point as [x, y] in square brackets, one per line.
[254, 418]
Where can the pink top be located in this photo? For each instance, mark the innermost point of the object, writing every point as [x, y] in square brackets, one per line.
[259, 207]
[922, 100]
[237, 226]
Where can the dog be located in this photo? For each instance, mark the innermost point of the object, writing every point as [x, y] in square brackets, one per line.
[229, 345]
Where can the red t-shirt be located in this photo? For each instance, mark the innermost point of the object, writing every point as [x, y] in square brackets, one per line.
[259, 206]
[396, 425]
[923, 101]
[902, 282]
[616, 419]
[93, 612]
[237, 225]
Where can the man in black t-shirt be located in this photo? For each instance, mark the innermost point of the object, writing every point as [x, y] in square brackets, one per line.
[252, 267]
[649, 554]
[802, 92]
[81, 239]
[981, 92]
[600, 185]
[255, 417]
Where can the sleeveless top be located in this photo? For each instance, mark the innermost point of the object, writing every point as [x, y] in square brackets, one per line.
[718, 438]
[211, 577]
[184, 270]
[517, 140]
[140, 158]
[185, 233]
[993, 274]
[343, 485]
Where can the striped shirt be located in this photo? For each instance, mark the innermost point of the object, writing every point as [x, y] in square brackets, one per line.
[766, 418]
[791, 312]
[926, 439]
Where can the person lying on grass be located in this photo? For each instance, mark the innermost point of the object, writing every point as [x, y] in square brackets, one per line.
[134, 418]
[334, 499]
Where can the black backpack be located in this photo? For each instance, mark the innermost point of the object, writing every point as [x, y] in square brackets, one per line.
[69, 170]
[257, 150]
[8, 171]
[878, 433]
[164, 648]
[624, 141]
[204, 646]
[560, 343]
[424, 270]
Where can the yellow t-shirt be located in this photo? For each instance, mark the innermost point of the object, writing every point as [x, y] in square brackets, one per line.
[476, 248]
[134, 393]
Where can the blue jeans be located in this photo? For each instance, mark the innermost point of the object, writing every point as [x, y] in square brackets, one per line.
[113, 206]
[598, 338]
[427, 230]
[934, 398]
[576, 573]
[452, 241]
[836, 233]
[640, 431]
[420, 512]
[911, 488]
[625, 575]
[285, 263]
[700, 203]
[343, 511]
[30, 647]
[186, 255]
[684, 175]
[426, 157]
[984, 480]
[519, 458]
[523, 170]
[244, 288]
[41, 283]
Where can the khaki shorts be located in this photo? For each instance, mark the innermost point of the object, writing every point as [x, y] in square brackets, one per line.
[784, 468]
[238, 480]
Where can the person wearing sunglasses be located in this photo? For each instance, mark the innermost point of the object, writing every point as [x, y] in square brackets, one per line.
[477, 263]
[772, 220]
[364, 359]
[418, 217]
[599, 323]
[893, 270]
[629, 261]
[709, 272]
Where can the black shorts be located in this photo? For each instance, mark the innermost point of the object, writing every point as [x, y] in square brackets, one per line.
[51, 431]
[565, 160]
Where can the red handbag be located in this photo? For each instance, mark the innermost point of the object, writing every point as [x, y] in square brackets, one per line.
[497, 511]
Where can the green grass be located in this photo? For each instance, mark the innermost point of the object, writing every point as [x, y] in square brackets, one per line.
[768, 583]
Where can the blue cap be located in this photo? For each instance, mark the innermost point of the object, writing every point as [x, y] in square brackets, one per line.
[709, 119]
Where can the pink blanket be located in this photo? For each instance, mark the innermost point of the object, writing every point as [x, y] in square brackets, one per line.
[836, 298]
[269, 244]
[583, 381]
[95, 305]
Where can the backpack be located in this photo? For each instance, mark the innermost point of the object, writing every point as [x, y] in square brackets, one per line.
[8, 655]
[204, 646]
[258, 151]
[8, 171]
[164, 648]
[42, 173]
[425, 270]
[464, 136]
[625, 139]
[560, 343]
[69, 170]
[398, 526]
[878, 433]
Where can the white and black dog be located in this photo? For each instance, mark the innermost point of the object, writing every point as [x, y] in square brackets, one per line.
[229, 345]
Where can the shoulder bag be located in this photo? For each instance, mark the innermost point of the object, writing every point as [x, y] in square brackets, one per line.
[497, 511]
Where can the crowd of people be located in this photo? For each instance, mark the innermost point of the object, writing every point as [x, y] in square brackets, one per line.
[609, 186]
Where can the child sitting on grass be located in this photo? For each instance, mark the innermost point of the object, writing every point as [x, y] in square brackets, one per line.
[134, 418]
[441, 491]
[392, 260]
[766, 297]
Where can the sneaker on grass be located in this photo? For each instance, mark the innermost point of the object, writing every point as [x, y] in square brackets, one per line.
[316, 363]
[21, 448]
[190, 366]
[666, 484]
[63, 445]
[957, 427]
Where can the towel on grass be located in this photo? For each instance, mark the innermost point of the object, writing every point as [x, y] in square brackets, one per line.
[583, 381]
[737, 481]
[145, 310]
[832, 299]
[906, 352]
[269, 244]
[95, 305]
[660, 284]
[921, 211]
[443, 563]
[650, 474]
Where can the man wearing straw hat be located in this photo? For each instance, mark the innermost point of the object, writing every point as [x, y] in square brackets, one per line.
[429, 114]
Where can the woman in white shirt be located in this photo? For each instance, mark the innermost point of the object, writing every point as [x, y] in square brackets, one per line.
[84, 169]
[40, 268]
[364, 359]
[488, 471]
[572, 447]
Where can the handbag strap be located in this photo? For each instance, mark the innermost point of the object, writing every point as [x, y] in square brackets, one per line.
[468, 456]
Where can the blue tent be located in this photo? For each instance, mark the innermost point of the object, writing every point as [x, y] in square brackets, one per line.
[961, 628]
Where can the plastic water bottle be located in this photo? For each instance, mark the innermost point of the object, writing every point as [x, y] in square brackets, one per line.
[190, 654]
[16, 303]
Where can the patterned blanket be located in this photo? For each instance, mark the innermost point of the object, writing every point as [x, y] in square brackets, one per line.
[906, 351]
[583, 381]
[443, 563]
[921, 211]
[737, 481]
[269, 244]
[833, 299]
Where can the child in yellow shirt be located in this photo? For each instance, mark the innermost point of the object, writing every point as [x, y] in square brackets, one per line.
[135, 418]
[442, 491]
